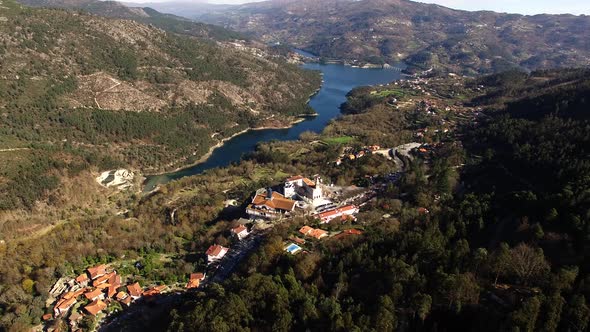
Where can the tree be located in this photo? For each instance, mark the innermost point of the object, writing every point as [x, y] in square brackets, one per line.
[527, 263]
[577, 314]
[422, 303]
[385, 319]
[500, 261]
[553, 306]
[526, 316]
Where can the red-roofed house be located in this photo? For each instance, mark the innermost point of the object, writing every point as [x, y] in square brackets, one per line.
[94, 295]
[134, 290]
[341, 212]
[195, 280]
[95, 307]
[154, 290]
[305, 230]
[216, 252]
[82, 279]
[63, 306]
[102, 279]
[97, 271]
[47, 317]
[124, 298]
[318, 233]
[240, 232]
[270, 204]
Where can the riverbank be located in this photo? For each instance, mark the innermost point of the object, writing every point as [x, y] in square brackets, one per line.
[220, 144]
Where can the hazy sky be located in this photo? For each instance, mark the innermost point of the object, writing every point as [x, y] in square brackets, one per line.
[510, 6]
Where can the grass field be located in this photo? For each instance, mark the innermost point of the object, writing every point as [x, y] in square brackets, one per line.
[338, 140]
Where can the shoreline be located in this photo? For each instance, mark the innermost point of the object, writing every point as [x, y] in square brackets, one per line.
[206, 156]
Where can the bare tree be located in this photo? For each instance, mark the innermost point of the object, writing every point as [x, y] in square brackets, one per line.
[527, 262]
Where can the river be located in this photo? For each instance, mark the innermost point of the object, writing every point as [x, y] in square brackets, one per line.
[338, 80]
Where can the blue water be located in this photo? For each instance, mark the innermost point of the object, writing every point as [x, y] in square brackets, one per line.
[338, 81]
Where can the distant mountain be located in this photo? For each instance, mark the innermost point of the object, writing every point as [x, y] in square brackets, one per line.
[147, 15]
[188, 9]
[424, 35]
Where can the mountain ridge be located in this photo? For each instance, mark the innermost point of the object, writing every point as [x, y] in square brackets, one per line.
[424, 35]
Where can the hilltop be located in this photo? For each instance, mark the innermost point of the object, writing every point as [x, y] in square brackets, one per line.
[146, 15]
[424, 35]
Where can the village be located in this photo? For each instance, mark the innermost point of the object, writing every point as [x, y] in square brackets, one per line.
[100, 290]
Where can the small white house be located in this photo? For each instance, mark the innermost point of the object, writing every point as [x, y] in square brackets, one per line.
[241, 232]
[216, 252]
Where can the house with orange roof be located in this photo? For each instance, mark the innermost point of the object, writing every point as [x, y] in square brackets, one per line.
[97, 271]
[318, 233]
[94, 295]
[313, 232]
[124, 298]
[270, 204]
[344, 213]
[305, 230]
[215, 253]
[95, 307]
[82, 279]
[241, 232]
[47, 317]
[103, 279]
[154, 290]
[347, 233]
[63, 306]
[195, 280]
[134, 290]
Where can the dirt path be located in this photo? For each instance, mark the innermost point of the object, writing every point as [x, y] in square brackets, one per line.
[14, 149]
[116, 84]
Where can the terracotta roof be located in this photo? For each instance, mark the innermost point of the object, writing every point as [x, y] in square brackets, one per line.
[239, 229]
[93, 294]
[121, 296]
[318, 233]
[47, 317]
[134, 289]
[95, 307]
[294, 178]
[197, 276]
[193, 283]
[82, 278]
[309, 182]
[353, 231]
[127, 300]
[102, 279]
[154, 290]
[214, 250]
[112, 291]
[278, 201]
[65, 304]
[115, 279]
[97, 271]
[305, 230]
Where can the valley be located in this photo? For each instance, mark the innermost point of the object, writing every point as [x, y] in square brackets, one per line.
[428, 170]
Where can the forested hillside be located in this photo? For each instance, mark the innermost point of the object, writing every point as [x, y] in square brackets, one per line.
[487, 230]
[81, 92]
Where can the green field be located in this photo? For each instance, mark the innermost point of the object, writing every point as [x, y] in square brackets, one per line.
[338, 140]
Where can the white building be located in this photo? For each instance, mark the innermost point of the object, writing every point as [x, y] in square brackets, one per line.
[241, 232]
[216, 252]
[304, 188]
